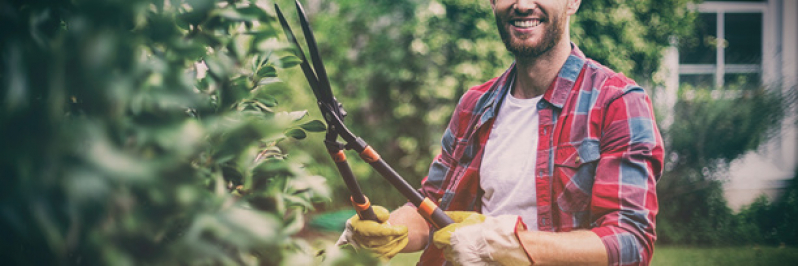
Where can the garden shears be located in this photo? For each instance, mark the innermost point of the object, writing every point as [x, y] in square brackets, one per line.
[333, 114]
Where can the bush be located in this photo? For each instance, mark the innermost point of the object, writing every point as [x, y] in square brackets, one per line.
[708, 221]
[766, 222]
[707, 134]
[143, 132]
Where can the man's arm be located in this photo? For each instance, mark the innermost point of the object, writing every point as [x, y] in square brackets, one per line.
[624, 202]
[624, 196]
[566, 248]
[475, 239]
[417, 227]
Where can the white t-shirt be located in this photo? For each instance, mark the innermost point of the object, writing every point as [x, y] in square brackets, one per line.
[507, 172]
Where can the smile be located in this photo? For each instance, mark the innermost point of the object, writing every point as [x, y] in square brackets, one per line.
[526, 23]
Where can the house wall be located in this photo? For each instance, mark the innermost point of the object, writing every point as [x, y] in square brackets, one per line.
[789, 155]
[766, 171]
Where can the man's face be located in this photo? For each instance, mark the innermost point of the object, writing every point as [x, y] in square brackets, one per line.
[530, 28]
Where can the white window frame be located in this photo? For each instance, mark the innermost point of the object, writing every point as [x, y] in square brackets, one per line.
[720, 68]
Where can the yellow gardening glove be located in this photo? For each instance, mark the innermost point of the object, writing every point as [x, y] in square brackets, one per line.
[382, 238]
[442, 237]
[474, 239]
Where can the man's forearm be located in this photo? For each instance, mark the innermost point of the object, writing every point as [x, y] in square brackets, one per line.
[417, 228]
[567, 248]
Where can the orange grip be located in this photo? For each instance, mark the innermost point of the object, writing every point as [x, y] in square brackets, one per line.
[369, 155]
[338, 157]
[426, 208]
[361, 207]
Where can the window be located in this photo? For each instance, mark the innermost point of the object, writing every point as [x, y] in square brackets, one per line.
[726, 50]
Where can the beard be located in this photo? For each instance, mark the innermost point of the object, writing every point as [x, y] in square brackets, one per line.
[551, 36]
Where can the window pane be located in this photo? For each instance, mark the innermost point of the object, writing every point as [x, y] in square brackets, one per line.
[699, 81]
[700, 48]
[742, 81]
[744, 37]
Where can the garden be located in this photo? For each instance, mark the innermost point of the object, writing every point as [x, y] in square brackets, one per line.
[183, 132]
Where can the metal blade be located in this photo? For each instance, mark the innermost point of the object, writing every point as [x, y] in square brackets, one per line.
[309, 74]
[318, 65]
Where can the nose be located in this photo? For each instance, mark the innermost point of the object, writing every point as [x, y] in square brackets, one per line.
[525, 6]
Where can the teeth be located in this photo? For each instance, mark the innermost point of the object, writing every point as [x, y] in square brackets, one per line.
[526, 23]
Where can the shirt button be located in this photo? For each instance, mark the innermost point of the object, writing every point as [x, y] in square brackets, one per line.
[578, 159]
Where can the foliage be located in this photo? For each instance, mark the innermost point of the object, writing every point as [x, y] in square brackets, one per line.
[700, 217]
[767, 222]
[144, 132]
[712, 128]
[630, 36]
[399, 67]
[722, 129]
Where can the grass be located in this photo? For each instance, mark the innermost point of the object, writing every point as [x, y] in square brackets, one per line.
[750, 255]
[684, 256]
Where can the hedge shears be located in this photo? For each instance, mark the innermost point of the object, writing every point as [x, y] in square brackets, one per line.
[334, 113]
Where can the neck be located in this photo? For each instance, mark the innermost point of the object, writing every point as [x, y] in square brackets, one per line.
[534, 75]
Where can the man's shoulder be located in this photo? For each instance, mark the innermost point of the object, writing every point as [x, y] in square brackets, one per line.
[477, 91]
[607, 80]
[475, 96]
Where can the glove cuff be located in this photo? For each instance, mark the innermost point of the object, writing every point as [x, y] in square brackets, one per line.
[347, 237]
[502, 239]
[521, 227]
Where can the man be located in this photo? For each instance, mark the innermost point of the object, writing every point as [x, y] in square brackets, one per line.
[554, 162]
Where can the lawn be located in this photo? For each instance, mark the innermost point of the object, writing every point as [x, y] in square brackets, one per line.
[682, 256]
[751, 255]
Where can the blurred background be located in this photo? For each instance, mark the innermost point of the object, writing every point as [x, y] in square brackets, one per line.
[182, 132]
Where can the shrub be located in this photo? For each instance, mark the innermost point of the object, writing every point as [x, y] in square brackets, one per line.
[143, 132]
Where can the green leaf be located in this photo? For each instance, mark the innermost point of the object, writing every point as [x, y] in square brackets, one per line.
[255, 12]
[286, 117]
[295, 224]
[267, 72]
[234, 15]
[263, 32]
[216, 66]
[268, 81]
[296, 133]
[263, 107]
[289, 61]
[182, 24]
[240, 45]
[314, 126]
[267, 100]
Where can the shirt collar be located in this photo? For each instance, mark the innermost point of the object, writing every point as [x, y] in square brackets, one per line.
[555, 95]
[559, 89]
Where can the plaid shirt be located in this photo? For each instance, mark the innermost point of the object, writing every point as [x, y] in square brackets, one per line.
[599, 156]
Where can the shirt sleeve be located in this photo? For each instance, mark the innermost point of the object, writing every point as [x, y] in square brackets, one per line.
[624, 199]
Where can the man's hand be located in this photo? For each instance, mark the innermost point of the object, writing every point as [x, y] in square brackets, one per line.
[380, 237]
[475, 239]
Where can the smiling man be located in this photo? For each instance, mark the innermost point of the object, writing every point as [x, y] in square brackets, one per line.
[554, 162]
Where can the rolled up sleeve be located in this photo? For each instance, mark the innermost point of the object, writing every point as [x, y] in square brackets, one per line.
[624, 197]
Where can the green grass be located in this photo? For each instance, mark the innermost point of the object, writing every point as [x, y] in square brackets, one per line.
[751, 255]
[683, 256]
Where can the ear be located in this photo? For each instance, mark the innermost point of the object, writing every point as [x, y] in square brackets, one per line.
[493, 4]
[573, 6]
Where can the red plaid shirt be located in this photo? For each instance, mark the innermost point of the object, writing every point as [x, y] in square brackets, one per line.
[599, 156]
